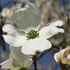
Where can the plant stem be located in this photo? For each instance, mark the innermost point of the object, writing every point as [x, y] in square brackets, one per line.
[35, 65]
[62, 66]
[34, 61]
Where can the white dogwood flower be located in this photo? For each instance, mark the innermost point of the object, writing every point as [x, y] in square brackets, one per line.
[28, 40]
[33, 40]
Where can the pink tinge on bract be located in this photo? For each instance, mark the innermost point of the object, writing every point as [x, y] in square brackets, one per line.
[64, 56]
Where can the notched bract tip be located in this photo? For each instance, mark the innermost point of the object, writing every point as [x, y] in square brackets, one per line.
[5, 33]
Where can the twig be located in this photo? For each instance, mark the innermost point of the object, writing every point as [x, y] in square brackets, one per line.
[42, 3]
[62, 66]
[34, 61]
[35, 65]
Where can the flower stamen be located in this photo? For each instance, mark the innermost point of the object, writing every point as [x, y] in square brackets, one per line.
[32, 34]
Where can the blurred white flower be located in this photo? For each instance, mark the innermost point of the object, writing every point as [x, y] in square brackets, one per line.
[6, 12]
[17, 60]
[63, 56]
[27, 17]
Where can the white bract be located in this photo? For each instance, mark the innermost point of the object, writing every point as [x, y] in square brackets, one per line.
[24, 43]
[27, 17]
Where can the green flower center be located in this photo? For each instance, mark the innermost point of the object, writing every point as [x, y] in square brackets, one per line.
[32, 34]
